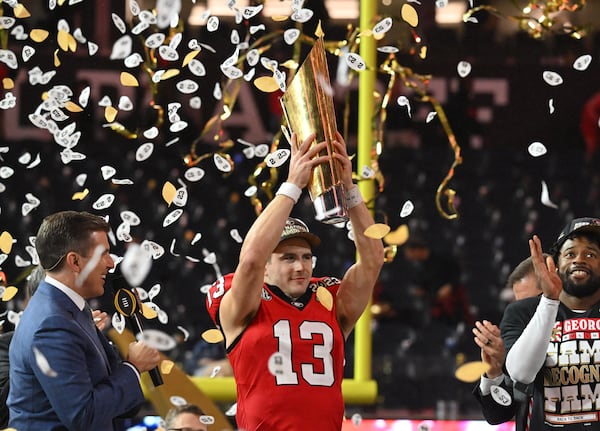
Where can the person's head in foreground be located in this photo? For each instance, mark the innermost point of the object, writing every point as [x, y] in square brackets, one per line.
[185, 418]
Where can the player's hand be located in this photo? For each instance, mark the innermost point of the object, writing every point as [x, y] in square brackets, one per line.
[304, 158]
[545, 270]
[341, 155]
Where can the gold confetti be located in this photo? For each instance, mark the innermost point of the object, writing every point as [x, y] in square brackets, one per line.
[377, 231]
[409, 14]
[63, 40]
[6, 242]
[147, 311]
[8, 84]
[110, 113]
[38, 35]
[128, 80]
[266, 84]
[168, 192]
[166, 366]
[79, 196]
[389, 253]
[325, 298]
[397, 237]
[20, 11]
[169, 74]
[189, 57]
[290, 64]
[73, 107]
[212, 336]
[279, 18]
[56, 59]
[423, 52]
[470, 372]
[9, 293]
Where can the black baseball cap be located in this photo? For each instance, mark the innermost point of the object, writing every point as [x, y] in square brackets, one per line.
[584, 224]
[296, 228]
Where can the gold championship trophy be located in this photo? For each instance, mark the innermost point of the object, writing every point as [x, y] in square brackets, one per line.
[308, 107]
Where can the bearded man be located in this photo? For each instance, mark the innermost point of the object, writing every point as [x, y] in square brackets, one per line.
[553, 340]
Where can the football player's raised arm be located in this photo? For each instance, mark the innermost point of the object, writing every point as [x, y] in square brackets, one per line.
[358, 282]
[241, 302]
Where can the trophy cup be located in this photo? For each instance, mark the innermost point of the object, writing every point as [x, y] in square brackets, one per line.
[308, 107]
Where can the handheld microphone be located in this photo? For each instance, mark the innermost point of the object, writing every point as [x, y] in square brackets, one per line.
[126, 303]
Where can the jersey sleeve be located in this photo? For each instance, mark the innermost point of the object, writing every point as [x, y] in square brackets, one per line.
[215, 295]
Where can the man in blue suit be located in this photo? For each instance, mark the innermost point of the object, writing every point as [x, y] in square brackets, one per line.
[64, 375]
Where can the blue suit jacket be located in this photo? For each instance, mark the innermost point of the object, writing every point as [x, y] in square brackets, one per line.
[92, 385]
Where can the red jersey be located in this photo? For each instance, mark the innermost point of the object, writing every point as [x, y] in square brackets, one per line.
[288, 363]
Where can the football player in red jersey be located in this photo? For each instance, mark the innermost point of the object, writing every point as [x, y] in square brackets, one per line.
[285, 329]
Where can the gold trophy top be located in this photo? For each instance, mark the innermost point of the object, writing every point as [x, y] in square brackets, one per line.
[308, 107]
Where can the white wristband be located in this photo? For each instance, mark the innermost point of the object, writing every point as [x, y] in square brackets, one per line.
[353, 197]
[290, 190]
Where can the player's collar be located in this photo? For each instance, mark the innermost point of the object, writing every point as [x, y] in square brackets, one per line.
[299, 303]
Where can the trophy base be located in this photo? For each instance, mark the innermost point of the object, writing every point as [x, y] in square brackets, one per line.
[330, 206]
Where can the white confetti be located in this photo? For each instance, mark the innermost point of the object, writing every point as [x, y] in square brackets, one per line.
[552, 78]
[582, 63]
[407, 209]
[194, 174]
[236, 236]
[43, 364]
[278, 158]
[231, 411]
[545, 198]
[206, 419]
[463, 68]
[403, 101]
[250, 191]
[181, 197]
[215, 371]
[136, 264]
[118, 322]
[356, 419]
[187, 86]
[537, 149]
[222, 163]
[130, 218]
[154, 249]
[196, 238]
[121, 48]
[172, 217]
[177, 400]
[144, 151]
[383, 26]
[186, 333]
[104, 201]
[291, 35]
[430, 116]
[355, 61]
[387, 49]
